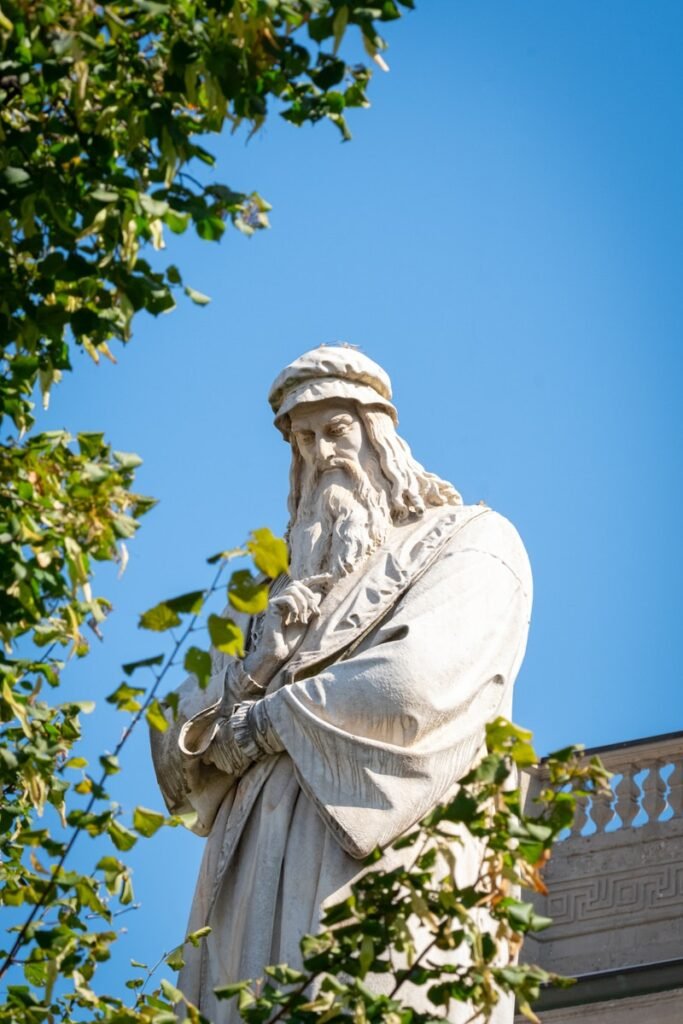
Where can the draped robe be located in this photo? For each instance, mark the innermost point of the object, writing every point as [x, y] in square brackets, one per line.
[380, 711]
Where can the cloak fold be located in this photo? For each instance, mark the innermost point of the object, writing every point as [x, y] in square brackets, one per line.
[380, 712]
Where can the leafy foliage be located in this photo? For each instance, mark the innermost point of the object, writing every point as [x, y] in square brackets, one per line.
[37, 766]
[374, 931]
[103, 109]
[363, 935]
[103, 112]
[61, 509]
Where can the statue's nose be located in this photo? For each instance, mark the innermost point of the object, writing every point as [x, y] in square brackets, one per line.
[324, 450]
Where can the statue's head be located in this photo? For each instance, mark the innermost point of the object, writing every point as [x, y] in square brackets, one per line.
[351, 474]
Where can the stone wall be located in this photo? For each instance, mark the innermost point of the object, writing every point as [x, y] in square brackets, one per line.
[616, 895]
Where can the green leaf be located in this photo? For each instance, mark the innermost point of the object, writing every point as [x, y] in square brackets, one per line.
[539, 831]
[284, 974]
[225, 635]
[159, 618]
[504, 737]
[125, 697]
[110, 763]
[522, 916]
[228, 991]
[367, 955]
[197, 297]
[127, 460]
[463, 807]
[246, 593]
[166, 614]
[122, 838]
[147, 822]
[176, 221]
[210, 228]
[90, 443]
[133, 666]
[172, 700]
[269, 552]
[171, 992]
[104, 195]
[339, 23]
[198, 663]
[187, 604]
[154, 207]
[16, 176]
[155, 716]
[175, 959]
[124, 526]
[196, 936]
[77, 762]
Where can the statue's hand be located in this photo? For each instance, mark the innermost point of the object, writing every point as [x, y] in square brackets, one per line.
[225, 752]
[286, 620]
[298, 602]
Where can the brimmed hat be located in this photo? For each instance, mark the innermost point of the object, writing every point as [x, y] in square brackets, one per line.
[329, 371]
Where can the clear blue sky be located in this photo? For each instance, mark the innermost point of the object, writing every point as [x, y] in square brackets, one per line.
[504, 235]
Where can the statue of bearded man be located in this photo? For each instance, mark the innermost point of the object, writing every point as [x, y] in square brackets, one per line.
[365, 690]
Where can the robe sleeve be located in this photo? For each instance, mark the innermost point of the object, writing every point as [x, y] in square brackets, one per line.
[186, 783]
[379, 739]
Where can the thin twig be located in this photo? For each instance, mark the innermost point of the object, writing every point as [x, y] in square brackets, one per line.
[49, 889]
[298, 991]
[413, 967]
[150, 972]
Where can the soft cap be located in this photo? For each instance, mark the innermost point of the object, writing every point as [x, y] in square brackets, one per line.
[329, 371]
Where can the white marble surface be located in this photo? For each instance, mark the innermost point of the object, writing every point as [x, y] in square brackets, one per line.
[375, 672]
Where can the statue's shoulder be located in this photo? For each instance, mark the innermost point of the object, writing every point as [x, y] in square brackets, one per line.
[482, 529]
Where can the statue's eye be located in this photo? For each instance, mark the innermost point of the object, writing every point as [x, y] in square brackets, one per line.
[305, 437]
[338, 429]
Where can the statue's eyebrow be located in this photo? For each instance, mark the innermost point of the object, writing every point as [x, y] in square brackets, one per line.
[340, 416]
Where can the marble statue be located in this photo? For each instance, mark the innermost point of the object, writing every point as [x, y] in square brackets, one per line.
[366, 685]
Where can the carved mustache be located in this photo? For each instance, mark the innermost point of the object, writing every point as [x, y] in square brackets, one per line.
[337, 462]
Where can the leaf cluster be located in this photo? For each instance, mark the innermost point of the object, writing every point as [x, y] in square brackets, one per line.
[39, 770]
[424, 926]
[103, 111]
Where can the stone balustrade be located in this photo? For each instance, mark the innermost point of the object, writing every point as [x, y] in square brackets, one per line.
[615, 883]
[647, 786]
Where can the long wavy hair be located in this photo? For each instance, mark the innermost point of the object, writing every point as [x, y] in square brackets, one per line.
[411, 488]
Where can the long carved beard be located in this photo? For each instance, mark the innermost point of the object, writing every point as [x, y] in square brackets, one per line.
[341, 519]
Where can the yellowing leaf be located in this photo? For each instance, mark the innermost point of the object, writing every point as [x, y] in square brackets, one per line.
[225, 635]
[246, 593]
[147, 822]
[159, 618]
[155, 717]
[269, 552]
[122, 838]
[194, 937]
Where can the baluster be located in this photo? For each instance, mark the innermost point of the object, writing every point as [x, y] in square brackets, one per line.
[676, 788]
[602, 810]
[654, 788]
[580, 817]
[628, 794]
